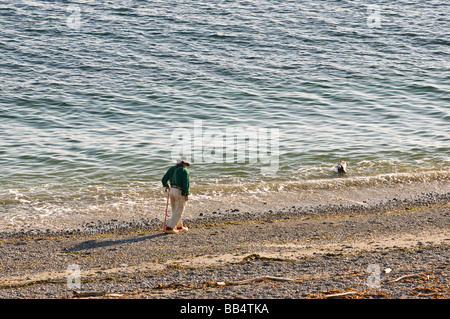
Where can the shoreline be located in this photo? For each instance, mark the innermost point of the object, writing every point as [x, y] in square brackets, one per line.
[320, 250]
[284, 204]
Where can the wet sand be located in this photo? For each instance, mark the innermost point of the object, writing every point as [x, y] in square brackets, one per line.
[389, 242]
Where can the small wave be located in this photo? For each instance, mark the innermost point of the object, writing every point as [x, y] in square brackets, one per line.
[325, 183]
[53, 207]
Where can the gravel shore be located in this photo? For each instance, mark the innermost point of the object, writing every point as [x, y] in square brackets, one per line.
[389, 248]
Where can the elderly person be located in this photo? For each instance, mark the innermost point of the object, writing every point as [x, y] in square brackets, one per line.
[178, 176]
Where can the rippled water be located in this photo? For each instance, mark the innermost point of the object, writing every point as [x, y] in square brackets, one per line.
[92, 92]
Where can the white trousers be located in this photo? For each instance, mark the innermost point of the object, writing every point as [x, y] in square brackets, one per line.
[178, 203]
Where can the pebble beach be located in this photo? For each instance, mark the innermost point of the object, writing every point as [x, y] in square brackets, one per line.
[394, 247]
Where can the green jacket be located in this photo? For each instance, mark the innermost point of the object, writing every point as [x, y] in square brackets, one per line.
[178, 176]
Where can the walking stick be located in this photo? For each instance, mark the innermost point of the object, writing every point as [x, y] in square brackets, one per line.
[167, 207]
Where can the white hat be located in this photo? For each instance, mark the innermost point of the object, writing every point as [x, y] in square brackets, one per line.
[183, 159]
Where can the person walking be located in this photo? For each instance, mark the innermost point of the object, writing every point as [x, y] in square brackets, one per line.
[178, 176]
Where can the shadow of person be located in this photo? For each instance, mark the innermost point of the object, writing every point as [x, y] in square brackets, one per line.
[92, 244]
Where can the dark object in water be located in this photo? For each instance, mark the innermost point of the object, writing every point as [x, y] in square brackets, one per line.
[341, 167]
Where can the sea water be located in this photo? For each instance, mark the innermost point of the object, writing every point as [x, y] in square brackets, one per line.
[99, 98]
